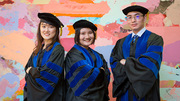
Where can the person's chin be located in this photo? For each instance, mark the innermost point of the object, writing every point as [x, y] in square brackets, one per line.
[86, 45]
[46, 38]
[134, 28]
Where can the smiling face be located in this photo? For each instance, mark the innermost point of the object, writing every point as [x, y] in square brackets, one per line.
[47, 31]
[135, 21]
[86, 37]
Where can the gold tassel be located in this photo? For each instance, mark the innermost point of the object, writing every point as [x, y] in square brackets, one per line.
[147, 18]
[61, 31]
[95, 34]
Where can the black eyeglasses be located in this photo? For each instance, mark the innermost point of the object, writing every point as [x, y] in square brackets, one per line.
[136, 17]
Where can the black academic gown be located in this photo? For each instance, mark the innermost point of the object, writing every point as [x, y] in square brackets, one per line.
[45, 80]
[138, 79]
[85, 80]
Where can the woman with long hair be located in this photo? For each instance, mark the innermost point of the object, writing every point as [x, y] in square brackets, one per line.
[87, 73]
[44, 70]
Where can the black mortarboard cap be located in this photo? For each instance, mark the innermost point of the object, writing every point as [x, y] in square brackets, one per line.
[138, 8]
[50, 19]
[84, 24]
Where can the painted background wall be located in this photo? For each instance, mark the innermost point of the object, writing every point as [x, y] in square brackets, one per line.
[18, 25]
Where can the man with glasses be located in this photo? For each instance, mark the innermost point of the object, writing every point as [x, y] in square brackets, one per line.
[136, 59]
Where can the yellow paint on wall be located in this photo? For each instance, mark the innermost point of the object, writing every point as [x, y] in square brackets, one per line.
[41, 2]
[19, 92]
[16, 46]
[167, 22]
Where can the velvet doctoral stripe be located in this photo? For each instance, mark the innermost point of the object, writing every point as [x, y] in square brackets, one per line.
[88, 64]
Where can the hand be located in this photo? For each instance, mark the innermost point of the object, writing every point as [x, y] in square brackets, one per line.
[102, 68]
[123, 61]
[27, 70]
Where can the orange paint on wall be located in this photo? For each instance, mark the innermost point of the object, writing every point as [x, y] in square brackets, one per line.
[167, 84]
[83, 1]
[78, 15]
[70, 29]
[16, 46]
[76, 9]
[31, 1]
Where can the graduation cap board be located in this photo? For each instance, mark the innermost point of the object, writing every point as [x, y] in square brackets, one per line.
[84, 24]
[138, 8]
[51, 19]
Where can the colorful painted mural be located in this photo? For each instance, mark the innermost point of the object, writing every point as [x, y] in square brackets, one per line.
[19, 21]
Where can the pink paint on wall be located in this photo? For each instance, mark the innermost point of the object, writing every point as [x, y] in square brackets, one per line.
[67, 43]
[112, 27]
[103, 41]
[29, 21]
[21, 23]
[169, 34]
[171, 53]
[172, 91]
[22, 83]
[156, 20]
[3, 21]
[150, 4]
[111, 30]
[177, 84]
[31, 1]
[29, 35]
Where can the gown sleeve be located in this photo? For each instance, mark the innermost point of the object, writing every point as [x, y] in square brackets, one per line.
[143, 72]
[106, 77]
[29, 64]
[79, 74]
[121, 82]
[41, 81]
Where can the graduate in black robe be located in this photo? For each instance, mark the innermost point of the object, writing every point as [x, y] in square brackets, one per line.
[136, 59]
[44, 70]
[87, 73]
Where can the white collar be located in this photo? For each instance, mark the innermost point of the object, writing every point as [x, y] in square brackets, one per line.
[140, 33]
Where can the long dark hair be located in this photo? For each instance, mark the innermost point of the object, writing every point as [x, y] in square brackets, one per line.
[77, 34]
[39, 41]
